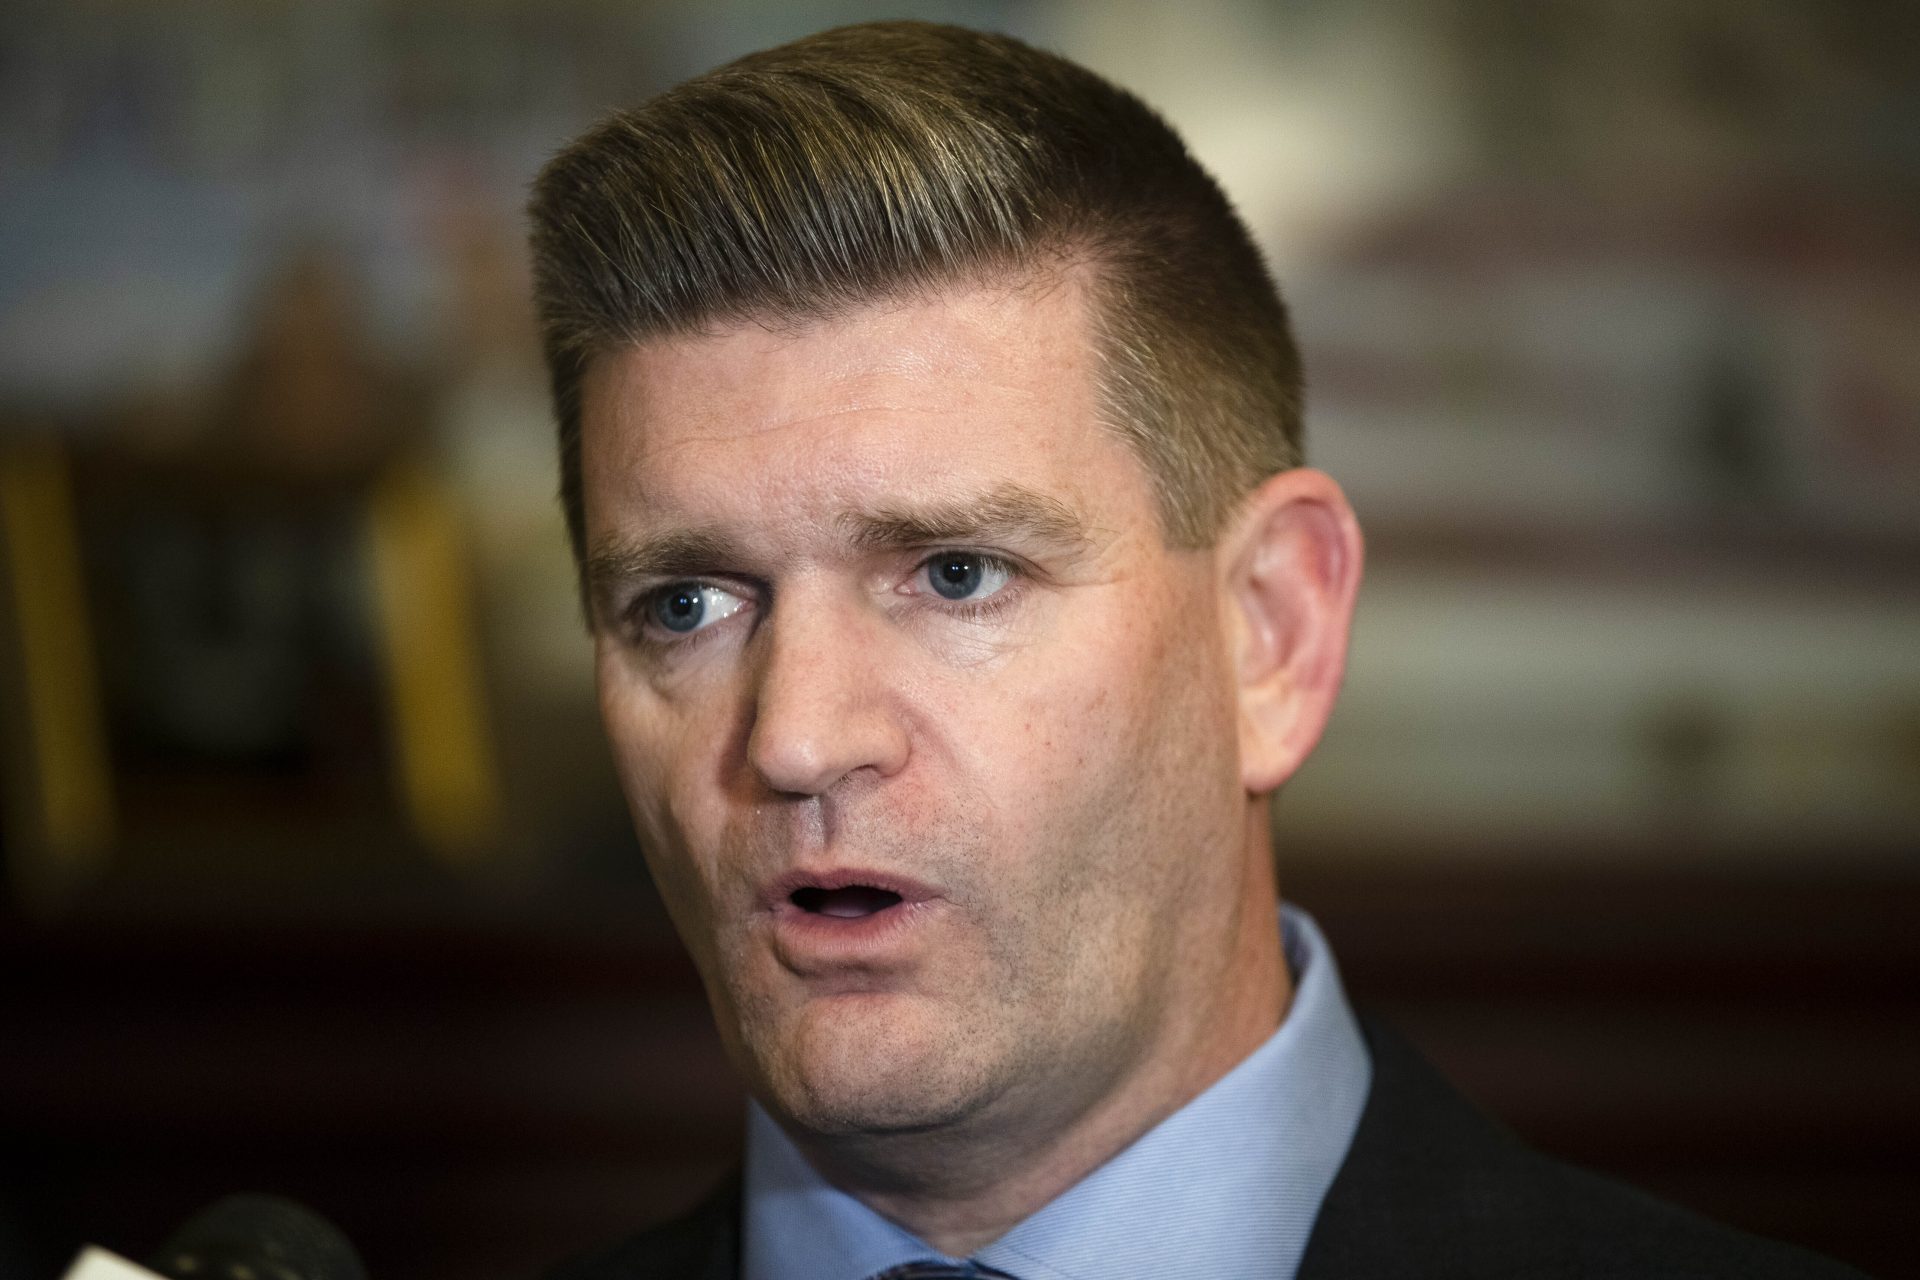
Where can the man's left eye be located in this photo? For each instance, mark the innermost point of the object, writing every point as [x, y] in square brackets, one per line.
[965, 575]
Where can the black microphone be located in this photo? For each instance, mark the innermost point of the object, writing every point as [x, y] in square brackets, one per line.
[256, 1237]
[250, 1237]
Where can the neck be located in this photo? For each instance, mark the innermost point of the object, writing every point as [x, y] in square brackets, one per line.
[984, 1186]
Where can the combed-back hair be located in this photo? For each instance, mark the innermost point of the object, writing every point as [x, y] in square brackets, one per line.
[896, 159]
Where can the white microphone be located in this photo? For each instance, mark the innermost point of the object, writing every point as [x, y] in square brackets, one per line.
[95, 1263]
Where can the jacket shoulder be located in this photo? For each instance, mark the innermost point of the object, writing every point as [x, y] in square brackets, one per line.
[1431, 1188]
[703, 1244]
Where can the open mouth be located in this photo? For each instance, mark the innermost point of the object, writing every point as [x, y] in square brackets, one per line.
[850, 902]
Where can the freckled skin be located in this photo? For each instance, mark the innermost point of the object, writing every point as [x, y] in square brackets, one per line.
[1064, 772]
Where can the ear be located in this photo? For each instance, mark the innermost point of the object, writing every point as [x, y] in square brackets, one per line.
[1292, 560]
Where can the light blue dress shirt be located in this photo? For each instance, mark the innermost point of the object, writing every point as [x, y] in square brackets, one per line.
[1226, 1188]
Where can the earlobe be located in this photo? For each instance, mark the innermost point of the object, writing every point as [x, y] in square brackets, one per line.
[1293, 562]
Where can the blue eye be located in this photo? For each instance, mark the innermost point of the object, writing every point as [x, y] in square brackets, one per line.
[679, 608]
[966, 575]
[955, 577]
[686, 607]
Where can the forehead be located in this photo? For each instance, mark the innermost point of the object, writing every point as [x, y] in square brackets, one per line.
[789, 429]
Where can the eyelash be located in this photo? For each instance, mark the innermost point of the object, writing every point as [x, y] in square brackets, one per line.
[635, 613]
[637, 618]
[978, 610]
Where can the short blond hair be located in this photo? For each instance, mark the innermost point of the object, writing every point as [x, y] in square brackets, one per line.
[897, 158]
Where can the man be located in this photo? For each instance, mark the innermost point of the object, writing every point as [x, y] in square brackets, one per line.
[931, 449]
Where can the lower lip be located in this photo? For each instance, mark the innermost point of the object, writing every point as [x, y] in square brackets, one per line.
[812, 938]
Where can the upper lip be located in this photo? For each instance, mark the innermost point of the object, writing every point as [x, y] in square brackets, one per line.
[910, 891]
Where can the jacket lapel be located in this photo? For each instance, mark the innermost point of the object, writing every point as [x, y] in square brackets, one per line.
[702, 1245]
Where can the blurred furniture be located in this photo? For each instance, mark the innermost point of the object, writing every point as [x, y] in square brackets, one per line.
[223, 665]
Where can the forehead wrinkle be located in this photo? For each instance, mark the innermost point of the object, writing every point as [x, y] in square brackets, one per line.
[830, 422]
[869, 383]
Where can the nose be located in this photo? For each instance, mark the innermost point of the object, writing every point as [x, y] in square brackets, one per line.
[821, 709]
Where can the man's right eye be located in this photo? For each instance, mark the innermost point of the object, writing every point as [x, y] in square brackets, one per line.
[683, 608]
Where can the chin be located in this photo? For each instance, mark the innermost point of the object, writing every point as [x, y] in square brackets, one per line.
[864, 1065]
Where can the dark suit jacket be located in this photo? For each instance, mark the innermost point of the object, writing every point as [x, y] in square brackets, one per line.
[1430, 1189]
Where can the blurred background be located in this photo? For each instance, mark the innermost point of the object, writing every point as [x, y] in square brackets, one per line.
[316, 876]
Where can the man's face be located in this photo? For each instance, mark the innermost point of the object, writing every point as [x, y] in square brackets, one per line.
[930, 740]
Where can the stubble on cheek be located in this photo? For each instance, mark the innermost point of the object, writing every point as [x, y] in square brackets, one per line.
[906, 1056]
[917, 1045]
[1152, 776]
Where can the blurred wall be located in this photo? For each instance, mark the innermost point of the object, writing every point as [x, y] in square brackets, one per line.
[1609, 320]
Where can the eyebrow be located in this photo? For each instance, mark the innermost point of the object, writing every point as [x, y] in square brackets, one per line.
[682, 553]
[1007, 512]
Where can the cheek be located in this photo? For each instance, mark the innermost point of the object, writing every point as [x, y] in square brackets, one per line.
[665, 763]
[1125, 740]
[1104, 691]
[1046, 737]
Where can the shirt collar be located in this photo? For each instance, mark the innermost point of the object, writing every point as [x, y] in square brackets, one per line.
[1229, 1184]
